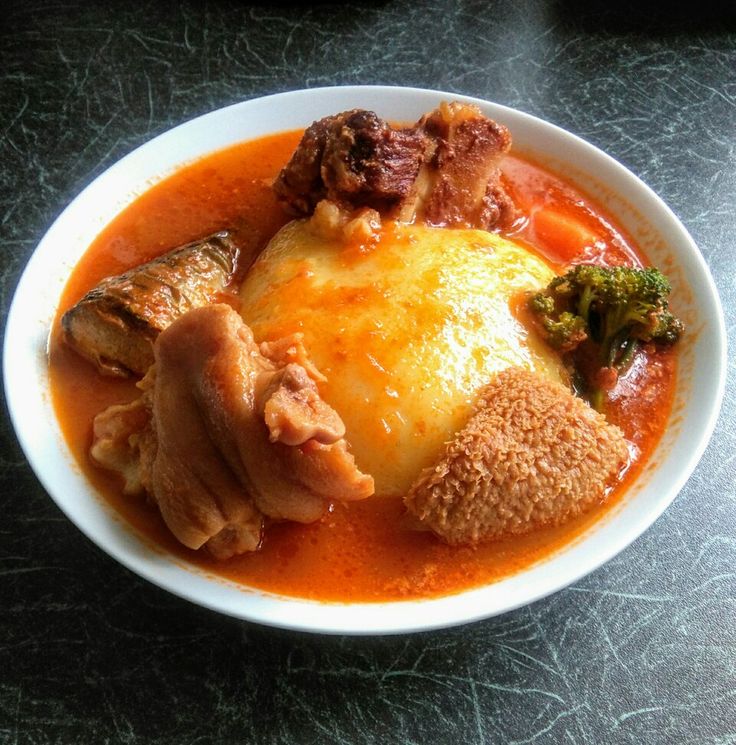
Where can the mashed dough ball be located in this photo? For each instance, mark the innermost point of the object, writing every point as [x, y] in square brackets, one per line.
[406, 329]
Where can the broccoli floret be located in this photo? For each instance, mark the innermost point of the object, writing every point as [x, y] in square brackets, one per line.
[564, 331]
[616, 308]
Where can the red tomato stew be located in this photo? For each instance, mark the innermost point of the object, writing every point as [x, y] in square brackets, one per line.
[361, 551]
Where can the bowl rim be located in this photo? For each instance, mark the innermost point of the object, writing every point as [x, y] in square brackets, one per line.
[132, 551]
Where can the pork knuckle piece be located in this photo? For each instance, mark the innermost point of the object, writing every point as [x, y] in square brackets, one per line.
[233, 435]
[116, 441]
[531, 455]
[116, 323]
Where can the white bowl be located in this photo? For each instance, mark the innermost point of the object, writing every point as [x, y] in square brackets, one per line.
[638, 209]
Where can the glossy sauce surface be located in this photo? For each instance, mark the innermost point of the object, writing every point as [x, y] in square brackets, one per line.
[363, 551]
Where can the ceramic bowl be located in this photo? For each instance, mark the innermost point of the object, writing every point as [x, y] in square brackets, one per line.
[636, 207]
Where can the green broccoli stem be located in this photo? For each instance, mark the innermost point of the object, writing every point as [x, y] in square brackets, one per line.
[583, 309]
[618, 353]
[625, 359]
[597, 398]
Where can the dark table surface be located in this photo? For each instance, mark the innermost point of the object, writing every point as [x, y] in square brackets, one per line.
[641, 651]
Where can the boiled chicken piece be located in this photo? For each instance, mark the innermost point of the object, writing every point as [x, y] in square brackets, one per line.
[116, 323]
[531, 455]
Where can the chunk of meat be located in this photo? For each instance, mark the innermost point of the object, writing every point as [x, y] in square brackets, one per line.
[287, 349]
[361, 227]
[444, 170]
[235, 435]
[463, 187]
[353, 157]
[116, 323]
[531, 455]
[116, 434]
[294, 413]
[209, 364]
[237, 537]
[125, 441]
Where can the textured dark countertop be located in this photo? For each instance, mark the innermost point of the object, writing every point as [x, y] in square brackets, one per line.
[641, 651]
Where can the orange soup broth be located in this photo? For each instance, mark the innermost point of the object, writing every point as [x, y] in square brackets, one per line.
[363, 551]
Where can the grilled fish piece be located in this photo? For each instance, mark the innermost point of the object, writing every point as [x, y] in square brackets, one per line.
[115, 324]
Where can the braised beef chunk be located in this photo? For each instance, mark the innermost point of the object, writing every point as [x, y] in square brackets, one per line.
[443, 170]
[369, 163]
[295, 413]
[354, 158]
[498, 209]
[115, 324]
[464, 187]
[299, 186]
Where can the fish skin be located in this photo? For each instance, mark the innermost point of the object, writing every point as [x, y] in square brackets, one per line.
[115, 324]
